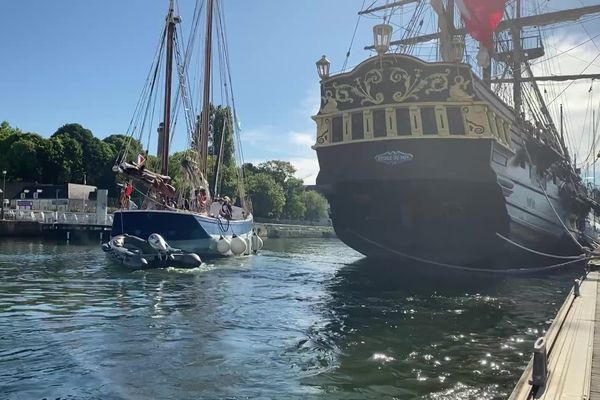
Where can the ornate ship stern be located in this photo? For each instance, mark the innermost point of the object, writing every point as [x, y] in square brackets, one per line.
[405, 150]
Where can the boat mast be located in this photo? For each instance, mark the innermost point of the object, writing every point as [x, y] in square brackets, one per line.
[171, 21]
[517, 52]
[206, 94]
[445, 13]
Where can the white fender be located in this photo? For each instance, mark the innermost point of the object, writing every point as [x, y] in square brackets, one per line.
[238, 245]
[256, 242]
[223, 245]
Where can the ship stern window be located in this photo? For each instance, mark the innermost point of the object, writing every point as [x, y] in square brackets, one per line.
[358, 128]
[456, 124]
[337, 129]
[403, 122]
[379, 124]
[428, 121]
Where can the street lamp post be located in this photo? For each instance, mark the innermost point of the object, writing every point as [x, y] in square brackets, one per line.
[38, 198]
[3, 191]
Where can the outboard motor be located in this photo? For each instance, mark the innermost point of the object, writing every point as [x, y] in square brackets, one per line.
[158, 243]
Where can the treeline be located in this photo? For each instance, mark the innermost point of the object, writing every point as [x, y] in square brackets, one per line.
[73, 154]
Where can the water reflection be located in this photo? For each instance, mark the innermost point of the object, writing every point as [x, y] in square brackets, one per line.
[406, 332]
[305, 319]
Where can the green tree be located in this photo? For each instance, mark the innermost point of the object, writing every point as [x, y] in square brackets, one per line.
[98, 156]
[316, 205]
[8, 136]
[281, 171]
[55, 167]
[73, 158]
[124, 144]
[268, 197]
[222, 133]
[23, 160]
[295, 207]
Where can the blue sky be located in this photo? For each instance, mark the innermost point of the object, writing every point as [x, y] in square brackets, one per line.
[86, 61]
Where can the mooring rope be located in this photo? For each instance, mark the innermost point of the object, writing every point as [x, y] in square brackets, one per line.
[473, 269]
[538, 252]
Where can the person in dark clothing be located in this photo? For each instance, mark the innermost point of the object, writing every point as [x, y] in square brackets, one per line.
[226, 209]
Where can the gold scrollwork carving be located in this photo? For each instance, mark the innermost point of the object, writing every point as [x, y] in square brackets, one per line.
[323, 137]
[436, 82]
[458, 91]
[475, 128]
[362, 89]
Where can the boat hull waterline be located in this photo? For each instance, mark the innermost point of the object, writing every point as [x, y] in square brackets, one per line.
[190, 232]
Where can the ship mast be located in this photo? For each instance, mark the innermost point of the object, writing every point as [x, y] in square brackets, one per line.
[517, 53]
[171, 21]
[206, 94]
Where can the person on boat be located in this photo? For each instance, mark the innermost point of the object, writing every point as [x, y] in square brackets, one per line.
[126, 195]
[226, 209]
[201, 200]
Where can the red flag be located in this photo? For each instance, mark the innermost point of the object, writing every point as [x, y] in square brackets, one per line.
[141, 160]
[128, 189]
[481, 18]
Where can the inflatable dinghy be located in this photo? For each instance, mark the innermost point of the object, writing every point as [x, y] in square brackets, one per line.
[136, 253]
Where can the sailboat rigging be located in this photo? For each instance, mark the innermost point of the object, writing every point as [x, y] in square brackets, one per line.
[187, 212]
[453, 152]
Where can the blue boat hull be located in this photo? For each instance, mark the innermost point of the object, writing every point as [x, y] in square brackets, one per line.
[187, 231]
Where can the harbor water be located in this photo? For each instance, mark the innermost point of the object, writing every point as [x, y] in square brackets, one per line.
[304, 319]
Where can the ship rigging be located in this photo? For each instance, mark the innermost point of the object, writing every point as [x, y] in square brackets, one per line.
[460, 141]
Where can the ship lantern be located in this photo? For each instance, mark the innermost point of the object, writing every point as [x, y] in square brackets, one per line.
[323, 67]
[458, 48]
[382, 35]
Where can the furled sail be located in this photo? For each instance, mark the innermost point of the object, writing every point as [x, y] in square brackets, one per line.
[481, 18]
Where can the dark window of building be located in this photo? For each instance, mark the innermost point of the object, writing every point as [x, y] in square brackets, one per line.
[403, 122]
[455, 121]
[379, 125]
[337, 129]
[358, 128]
[428, 121]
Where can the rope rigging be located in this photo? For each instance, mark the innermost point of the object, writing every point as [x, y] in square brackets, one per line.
[362, 7]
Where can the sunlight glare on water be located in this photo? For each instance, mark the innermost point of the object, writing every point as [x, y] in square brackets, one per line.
[304, 319]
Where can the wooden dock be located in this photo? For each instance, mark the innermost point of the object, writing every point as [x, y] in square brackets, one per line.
[569, 368]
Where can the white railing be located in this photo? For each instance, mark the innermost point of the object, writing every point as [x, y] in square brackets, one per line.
[56, 217]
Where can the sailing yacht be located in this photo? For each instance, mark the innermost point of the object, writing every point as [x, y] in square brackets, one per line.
[194, 218]
[453, 159]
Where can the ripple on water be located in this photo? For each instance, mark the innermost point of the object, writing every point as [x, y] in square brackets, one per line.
[305, 319]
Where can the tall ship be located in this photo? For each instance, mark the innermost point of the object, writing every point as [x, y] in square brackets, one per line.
[453, 158]
[190, 214]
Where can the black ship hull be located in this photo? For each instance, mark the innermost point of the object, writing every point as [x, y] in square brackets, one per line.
[423, 161]
[440, 200]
